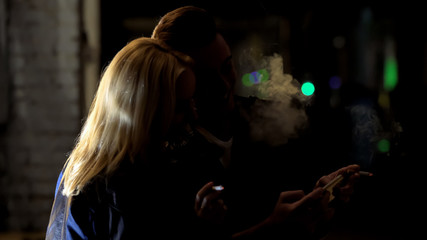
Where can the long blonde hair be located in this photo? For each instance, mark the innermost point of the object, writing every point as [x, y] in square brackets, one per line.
[133, 106]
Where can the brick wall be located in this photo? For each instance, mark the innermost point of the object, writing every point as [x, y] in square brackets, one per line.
[43, 42]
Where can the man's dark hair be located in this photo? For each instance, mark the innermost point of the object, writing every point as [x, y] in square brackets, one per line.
[186, 28]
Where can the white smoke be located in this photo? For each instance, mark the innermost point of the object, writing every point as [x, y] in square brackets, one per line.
[367, 131]
[280, 112]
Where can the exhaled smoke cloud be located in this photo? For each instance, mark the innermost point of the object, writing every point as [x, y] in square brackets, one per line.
[366, 131]
[280, 112]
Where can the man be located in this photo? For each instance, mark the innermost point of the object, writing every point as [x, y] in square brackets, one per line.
[193, 31]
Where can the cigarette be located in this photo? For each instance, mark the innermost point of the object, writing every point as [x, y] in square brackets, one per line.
[364, 173]
[218, 188]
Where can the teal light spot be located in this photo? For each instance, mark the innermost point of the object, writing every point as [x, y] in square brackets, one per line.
[307, 88]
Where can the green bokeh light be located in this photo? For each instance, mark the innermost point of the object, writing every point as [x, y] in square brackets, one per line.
[255, 77]
[390, 73]
[383, 145]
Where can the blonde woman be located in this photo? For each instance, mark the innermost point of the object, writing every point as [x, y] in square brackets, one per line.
[125, 179]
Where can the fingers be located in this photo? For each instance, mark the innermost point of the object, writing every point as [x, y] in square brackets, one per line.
[291, 196]
[346, 188]
[206, 195]
[209, 205]
[205, 189]
[352, 169]
[296, 206]
[209, 199]
[297, 198]
[202, 193]
[325, 198]
[314, 196]
[346, 191]
[324, 180]
[347, 170]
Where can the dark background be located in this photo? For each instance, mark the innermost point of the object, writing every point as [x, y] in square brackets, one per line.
[386, 205]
